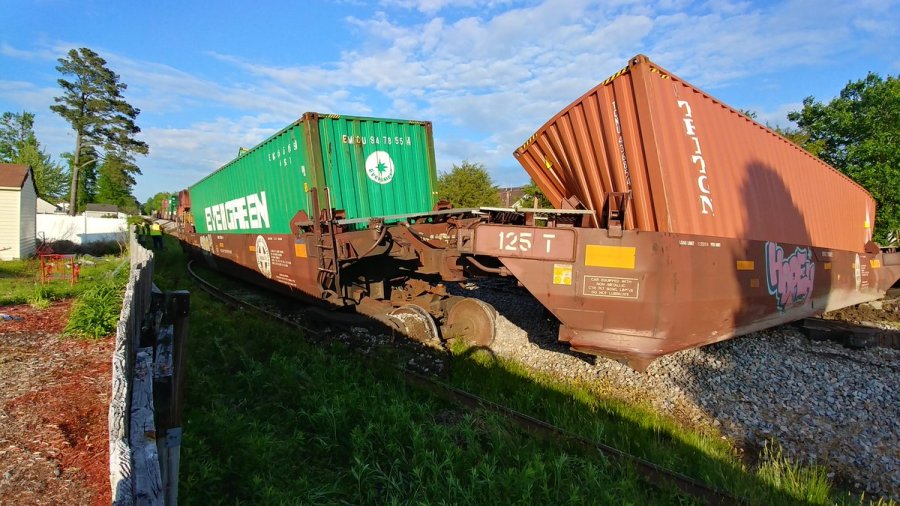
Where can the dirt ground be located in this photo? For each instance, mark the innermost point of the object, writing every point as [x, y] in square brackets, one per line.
[54, 398]
[884, 313]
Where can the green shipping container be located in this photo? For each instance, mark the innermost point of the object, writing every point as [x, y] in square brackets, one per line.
[372, 167]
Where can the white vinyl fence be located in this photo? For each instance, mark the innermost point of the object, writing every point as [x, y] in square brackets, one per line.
[80, 229]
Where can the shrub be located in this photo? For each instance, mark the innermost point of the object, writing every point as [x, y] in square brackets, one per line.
[96, 312]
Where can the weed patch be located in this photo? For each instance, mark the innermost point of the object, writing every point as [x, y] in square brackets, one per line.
[96, 311]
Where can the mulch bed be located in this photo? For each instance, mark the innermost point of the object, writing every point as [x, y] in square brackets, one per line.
[54, 398]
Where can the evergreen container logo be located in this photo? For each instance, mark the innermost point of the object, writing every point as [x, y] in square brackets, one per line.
[380, 167]
[244, 213]
[263, 257]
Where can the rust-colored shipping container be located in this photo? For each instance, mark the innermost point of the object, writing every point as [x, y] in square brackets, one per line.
[692, 165]
[704, 225]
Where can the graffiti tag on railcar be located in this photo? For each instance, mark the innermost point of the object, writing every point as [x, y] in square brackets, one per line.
[790, 279]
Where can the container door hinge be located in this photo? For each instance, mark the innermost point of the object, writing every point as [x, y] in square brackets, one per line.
[615, 206]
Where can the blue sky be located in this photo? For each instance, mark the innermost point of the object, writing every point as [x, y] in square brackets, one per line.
[210, 78]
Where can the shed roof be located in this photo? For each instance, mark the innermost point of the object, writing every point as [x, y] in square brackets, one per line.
[101, 208]
[13, 175]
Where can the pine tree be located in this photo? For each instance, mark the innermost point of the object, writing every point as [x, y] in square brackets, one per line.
[93, 104]
[115, 181]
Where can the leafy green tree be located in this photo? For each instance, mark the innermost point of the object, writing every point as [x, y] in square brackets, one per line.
[93, 104]
[857, 133]
[800, 138]
[115, 181]
[50, 177]
[157, 202]
[19, 144]
[468, 185]
[532, 190]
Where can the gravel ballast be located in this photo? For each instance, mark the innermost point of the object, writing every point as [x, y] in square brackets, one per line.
[824, 404]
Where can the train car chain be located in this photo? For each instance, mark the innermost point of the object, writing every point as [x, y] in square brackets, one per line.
[651, 473]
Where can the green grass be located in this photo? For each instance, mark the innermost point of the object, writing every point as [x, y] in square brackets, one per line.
[20, 281]
[272, 419]
[98, 292]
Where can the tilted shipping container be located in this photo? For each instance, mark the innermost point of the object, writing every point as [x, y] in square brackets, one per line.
[372, 167]
[692, 165]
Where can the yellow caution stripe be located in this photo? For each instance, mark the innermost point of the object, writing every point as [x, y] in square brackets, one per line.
[528, 142]
[616, 257]
[612, 77]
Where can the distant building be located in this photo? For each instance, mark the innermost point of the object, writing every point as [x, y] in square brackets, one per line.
[513, 197]
[101, 211]
[18, 210]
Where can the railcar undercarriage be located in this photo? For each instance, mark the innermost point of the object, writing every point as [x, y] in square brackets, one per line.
[625, 294]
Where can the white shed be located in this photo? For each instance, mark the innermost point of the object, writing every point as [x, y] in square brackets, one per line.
[18, 204]
[45, 207]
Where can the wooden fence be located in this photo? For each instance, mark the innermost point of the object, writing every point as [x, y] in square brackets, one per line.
[147, 387]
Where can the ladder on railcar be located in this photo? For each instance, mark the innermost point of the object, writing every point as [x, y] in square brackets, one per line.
[329, 269]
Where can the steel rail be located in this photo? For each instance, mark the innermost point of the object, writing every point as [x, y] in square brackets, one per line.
[653, 474]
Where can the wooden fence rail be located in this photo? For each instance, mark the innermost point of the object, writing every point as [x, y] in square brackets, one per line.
[147, 388]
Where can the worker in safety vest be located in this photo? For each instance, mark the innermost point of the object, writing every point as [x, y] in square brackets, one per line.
[156, 234]
[141, 232]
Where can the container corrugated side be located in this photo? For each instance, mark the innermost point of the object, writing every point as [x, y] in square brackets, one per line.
[372, 167]
[694, 166]
[378, 167]
[260, 191]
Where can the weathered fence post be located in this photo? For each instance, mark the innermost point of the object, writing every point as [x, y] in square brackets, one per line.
[170, 379]
[147, 388]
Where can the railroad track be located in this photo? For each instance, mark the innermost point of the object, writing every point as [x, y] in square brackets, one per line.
[652, 474]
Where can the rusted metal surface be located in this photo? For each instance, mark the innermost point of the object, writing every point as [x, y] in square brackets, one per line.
[625, 294]
[643, 295]
[679, 222]
[849, 334]
[692, 165]
[471, 320]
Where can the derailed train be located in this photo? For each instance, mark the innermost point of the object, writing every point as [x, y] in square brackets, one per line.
[677, 222]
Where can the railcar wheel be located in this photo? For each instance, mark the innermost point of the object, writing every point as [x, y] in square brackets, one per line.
[473, 321]
[418, 324]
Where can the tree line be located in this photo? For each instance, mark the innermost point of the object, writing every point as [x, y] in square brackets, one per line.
[101, 167]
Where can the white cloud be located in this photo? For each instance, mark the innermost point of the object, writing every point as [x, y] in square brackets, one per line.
[431, 7]
[488, 73]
